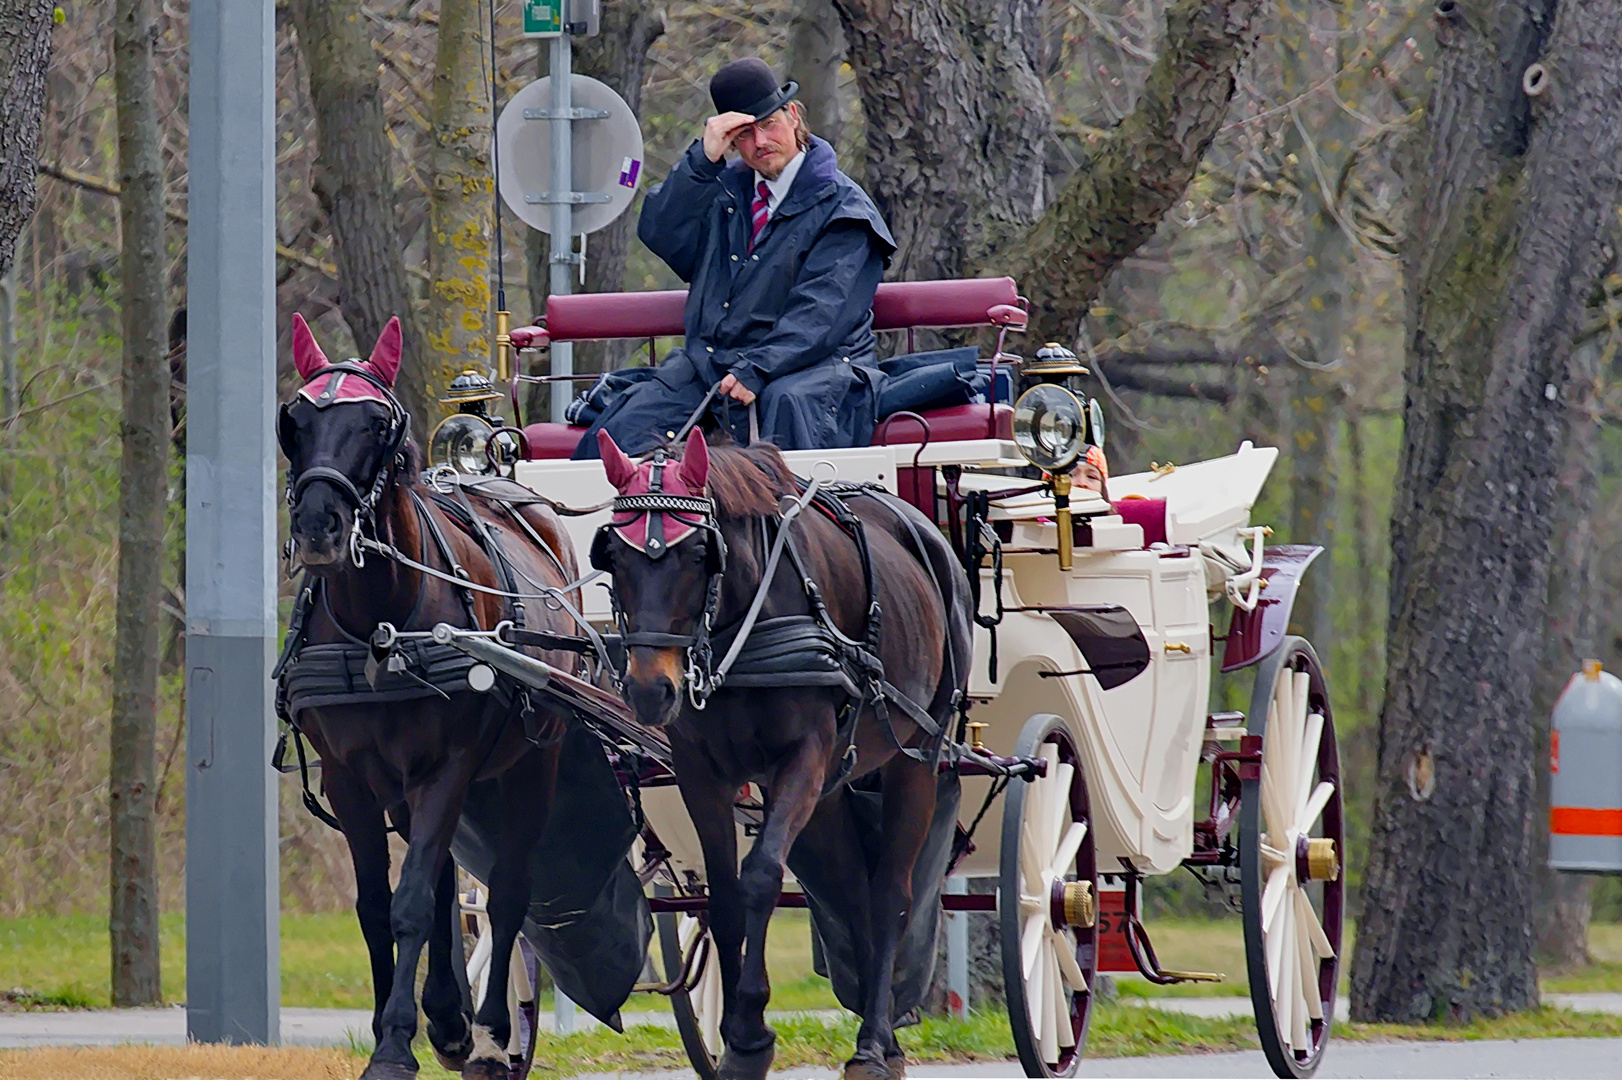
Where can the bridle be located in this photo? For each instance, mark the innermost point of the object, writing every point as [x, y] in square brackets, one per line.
[389, 461]
[654, 504]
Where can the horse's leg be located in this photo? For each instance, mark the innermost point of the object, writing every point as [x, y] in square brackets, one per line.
[794, 787]
[434, 809]
[909, 806]
[526, 798]
[362, 820]
[709, 800]
[444, 996]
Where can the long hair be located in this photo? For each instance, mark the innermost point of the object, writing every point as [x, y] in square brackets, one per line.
[802, 130]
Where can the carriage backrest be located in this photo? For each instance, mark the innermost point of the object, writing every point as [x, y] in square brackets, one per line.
[899, 305]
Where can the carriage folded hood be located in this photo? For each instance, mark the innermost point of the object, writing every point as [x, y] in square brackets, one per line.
[1204, 498]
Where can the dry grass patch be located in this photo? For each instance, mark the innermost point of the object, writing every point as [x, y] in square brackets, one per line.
[177, 1063]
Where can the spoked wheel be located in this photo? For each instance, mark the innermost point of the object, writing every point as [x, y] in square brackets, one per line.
[523, 979]
[698, 1010]
[1291, 843]
[1047, 898]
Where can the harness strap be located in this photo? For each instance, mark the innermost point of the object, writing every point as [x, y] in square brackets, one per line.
[460, 575]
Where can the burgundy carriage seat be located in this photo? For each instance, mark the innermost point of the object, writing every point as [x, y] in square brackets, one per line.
[898, 305]
[1149, 513]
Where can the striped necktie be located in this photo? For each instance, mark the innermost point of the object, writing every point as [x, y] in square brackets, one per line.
[762, 195]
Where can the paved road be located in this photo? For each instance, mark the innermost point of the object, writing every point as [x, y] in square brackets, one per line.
[1555, 1059]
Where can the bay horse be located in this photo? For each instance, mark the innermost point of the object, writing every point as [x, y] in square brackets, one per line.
[688, 549]
[353, 482]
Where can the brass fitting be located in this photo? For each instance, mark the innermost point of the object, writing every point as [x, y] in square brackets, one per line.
[976, 731]
[1179, 646]
[504, 347]
[1078, 904]
[1323, 862]
[1061, 515]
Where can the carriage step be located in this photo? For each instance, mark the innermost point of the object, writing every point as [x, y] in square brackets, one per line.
[1225, 726]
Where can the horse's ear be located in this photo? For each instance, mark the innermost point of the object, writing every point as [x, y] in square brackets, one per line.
[385, 358]
[307, 355]
[695, 462]
[620, 469]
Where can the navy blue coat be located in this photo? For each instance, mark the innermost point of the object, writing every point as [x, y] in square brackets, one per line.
[792, 320]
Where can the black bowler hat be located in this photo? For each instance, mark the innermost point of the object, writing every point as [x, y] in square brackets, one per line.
[748, 86]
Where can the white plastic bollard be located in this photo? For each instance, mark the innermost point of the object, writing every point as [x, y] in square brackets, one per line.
[957, 953]
[1585, 782]
[563, 1012]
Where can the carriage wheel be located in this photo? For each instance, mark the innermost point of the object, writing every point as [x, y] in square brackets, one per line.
[698, 1011]
[1291, 843]
[523, 980]
[1047, 899]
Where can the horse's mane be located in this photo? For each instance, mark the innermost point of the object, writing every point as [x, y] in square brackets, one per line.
[746, 481]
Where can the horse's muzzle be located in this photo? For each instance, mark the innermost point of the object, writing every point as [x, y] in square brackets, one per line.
[655, 701]
[320, 532]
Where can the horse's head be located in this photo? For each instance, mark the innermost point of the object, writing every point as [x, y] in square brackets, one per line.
[666, 555]
[343, 434]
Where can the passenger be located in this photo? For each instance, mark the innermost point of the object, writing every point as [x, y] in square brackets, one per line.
[783, 253]
[1091, 474]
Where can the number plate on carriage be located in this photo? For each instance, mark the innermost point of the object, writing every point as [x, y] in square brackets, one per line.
[1114, 957]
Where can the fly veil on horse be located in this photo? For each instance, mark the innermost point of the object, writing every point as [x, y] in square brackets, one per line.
[819, 648]
[408, 728]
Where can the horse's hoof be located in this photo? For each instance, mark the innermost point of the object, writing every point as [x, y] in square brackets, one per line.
[747, 1064]
[452, 1058]
[389, 1070]
[864, 1068]
[453, 1055]
[897, 1064]
[486, 1069]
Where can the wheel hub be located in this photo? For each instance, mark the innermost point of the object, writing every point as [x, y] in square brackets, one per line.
[1316, 859]
[1073, 904]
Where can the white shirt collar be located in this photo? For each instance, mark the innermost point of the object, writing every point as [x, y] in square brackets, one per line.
[777, 190]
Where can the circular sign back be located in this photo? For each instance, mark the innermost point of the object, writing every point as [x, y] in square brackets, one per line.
[607, 154]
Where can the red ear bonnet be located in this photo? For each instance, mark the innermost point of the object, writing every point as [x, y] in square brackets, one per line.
[307, 355]
[621, 470]
[695, 462]
[385, 358]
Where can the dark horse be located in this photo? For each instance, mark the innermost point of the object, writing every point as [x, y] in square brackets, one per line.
[692, 566]
[353, 478]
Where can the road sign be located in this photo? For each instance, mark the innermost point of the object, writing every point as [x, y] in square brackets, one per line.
[543, 18]
[605, 163]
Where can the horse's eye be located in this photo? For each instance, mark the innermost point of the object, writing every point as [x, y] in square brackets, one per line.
[380, 427]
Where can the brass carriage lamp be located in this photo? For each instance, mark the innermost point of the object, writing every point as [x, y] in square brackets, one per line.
[1053, 427]
[462, 439]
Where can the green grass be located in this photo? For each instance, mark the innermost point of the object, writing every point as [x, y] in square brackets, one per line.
[62, 962]
[1604, 975]
[1117, 1031]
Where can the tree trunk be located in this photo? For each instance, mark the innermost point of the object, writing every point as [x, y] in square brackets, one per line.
[1315, 409]
[1506, 244]
[816, 52]
[1563, 902]
[1112, 204]
[460, 211]
[936, 77]
[354, 181]
[142, 497]
[618, 57]
[25, 59]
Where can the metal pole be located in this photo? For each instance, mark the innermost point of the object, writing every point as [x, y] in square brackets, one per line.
[562, 276]
[957, 953]
[233, 984]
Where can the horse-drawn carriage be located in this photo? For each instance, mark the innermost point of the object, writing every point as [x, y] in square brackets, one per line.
[1085, 712]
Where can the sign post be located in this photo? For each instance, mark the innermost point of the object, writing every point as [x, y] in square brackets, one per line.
[233, 978]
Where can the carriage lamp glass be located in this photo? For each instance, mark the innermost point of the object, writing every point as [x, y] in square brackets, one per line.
[459, 441]
[1050, 427]
[1095, 423]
